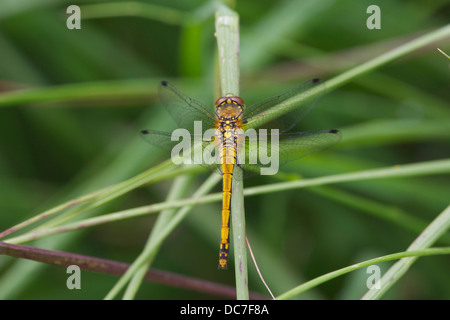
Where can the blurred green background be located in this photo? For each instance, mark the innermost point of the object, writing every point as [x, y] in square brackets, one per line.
[83, 134]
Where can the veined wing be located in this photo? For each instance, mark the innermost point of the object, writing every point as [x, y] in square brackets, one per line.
[184, 147]
[263, 114]
[278, 149]
[185, 110]
[159, 139]
[266, 154]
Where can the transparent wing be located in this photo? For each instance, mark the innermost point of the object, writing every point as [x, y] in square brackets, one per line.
[185, 110]
[263, 114]
[266, 155]
[159, 139]
[278, 149]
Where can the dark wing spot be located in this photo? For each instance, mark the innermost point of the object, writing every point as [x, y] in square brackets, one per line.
[315, 80]
[333, 131]
[164, 83]
[144, 132]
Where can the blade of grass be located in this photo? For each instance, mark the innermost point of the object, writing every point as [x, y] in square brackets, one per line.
[446, 55]
[334, 274]
[161, 172]
[407, 170]
[433, 232]
[410, 170]
[161, 236]
[418, 248]
[124, 157]
[107, 90]
[389, 56]
[179, 188]
[371, 207]
[93, 199]
[353, 73]
[132, 8]
[52, 228]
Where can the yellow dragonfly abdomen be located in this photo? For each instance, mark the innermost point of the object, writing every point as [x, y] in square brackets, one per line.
[229, 111]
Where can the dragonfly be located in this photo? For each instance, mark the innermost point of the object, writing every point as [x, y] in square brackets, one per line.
[228, 123]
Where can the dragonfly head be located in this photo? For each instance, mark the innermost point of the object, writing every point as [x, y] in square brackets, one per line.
[229, 107]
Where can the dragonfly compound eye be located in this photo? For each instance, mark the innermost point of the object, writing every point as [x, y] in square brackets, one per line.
[220, 101]
[239, 100]
[229, 99]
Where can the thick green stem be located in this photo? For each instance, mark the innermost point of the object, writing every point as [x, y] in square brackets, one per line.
[227, 33]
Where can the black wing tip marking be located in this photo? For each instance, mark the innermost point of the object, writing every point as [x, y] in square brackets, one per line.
[164, 83]
[146, 131]
[333, 131]
[316, 80]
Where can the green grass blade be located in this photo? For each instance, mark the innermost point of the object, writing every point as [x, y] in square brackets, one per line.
[389, 56]
[132, 8]
[331, 275]
[360, 70]
[410, 170]
[430, 235]
[179, 188]
[149, 250]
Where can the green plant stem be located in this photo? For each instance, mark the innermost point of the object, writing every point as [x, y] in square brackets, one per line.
[53, 211]
[353, 73]
[149, 250]
[227, 33]
[107, 90]
[132, 8]
[113, 90]
[433, 232]
[178, 189]
[409, 170]
[418, 248]
[381, 210]
[389, 56]
[239, 243]
[334, 274]
[96, 199]
[445, 55]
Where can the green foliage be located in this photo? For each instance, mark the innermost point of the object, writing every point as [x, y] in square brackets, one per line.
[72, 104]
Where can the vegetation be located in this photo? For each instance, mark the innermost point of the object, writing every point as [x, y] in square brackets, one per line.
[80, 183]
